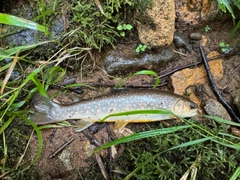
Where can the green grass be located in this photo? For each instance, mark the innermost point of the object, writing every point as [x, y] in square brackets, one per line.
[161, 153]
[227, 5]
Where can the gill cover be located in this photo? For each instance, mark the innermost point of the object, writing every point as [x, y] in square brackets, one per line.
[185, 108]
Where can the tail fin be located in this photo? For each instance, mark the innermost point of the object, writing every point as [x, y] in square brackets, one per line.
[44, 107]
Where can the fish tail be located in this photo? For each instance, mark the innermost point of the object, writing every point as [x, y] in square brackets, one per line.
[44, 108]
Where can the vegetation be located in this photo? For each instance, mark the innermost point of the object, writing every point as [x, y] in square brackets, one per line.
[96, 30]
[207, 28]
[225, 5]
[224, 46]
[141, 48]
[124, 27]
[174, 151]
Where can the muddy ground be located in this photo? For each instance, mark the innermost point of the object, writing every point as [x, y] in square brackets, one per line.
[73, 162]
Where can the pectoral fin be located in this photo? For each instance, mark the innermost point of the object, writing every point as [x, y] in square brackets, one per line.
[120, 130]
[120, 125]
[83, 124]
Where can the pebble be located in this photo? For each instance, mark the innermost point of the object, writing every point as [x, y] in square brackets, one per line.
[181, 42]
[123, 60]
[195, 36]
[215, 108]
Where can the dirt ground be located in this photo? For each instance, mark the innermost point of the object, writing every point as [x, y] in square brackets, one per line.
[74, 161]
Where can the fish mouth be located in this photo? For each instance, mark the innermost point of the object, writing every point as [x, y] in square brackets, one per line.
[199, 111]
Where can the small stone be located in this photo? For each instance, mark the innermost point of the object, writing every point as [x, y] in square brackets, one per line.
[125, 60]
[236, 101]
[156, 28]
[214, 108]
[181, 42]
[195, 36]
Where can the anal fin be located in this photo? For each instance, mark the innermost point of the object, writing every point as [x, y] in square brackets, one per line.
[120, 125]
[83, 124]
[120, 130]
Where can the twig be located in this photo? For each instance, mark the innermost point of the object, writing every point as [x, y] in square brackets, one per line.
[94, 141]
[101, 166]
[61, 148]
[189, 65]
[215, 90]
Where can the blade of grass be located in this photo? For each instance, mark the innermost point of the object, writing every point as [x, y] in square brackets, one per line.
[52, 76]
[4, 68]
[40, 86]
[127, 113]
[17, 21]
[223, 4]
[217, 139]
[232, 145]
[142, 135]
[220, 120]
[4, 159]
[8, 52]
[6, 124]
[39, 135]
[143, 72]
[236, 174]
[148, 72]
[16, 91]
[191, 143]
[9, 72]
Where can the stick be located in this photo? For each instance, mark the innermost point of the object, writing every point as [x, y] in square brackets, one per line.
[215, 90]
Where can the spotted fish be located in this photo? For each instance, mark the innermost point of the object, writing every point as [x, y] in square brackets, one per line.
[94, 110]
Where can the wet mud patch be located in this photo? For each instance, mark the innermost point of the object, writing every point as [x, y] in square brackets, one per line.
[74, 161]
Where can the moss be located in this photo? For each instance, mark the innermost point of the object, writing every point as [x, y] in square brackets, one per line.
[216, 161]
[16, 139]
[96, 30]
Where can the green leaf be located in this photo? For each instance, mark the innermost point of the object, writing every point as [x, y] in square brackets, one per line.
[223, 4]
[191, 143]
[236, 174]
[149, 72]
[17, 21]
[122, 34]
[222, 44]
[120, 27]
[129, 27]
[221, 120]
[144, 47]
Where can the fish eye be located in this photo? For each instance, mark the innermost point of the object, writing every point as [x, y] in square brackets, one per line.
[193, 105]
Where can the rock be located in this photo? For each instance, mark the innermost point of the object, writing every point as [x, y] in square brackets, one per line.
[195, 36]
[188, 77]
[25, 36]
[191, 13]
[236, 100]
[214, 108]
[124, 60]
[181, 42]
[156, 29]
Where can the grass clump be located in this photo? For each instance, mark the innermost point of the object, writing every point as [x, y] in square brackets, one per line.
[157, 159]
[94, 29]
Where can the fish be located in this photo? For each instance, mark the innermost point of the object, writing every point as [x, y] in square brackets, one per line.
[93, 110]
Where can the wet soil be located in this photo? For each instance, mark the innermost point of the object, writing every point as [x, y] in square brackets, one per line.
[73, 162]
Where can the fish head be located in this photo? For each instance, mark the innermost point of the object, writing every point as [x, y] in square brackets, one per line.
[185, 108]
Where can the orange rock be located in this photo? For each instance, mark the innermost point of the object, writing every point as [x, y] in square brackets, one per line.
[185, 78]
